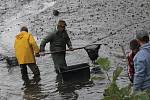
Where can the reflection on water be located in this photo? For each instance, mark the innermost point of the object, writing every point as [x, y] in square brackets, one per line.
[67, 89]
[50, 87]
[32, 92]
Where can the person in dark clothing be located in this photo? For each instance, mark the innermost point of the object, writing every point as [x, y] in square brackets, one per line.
[134, 46]
[58, 39]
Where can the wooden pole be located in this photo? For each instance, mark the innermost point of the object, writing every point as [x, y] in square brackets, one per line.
[63, 50]
[69, 49]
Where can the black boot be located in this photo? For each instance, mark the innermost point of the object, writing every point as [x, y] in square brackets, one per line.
[36, 78]
[24, 74]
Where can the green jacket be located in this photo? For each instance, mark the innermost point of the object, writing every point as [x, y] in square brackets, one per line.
[58, 41]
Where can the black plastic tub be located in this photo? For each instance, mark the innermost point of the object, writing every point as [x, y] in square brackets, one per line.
[78, 72]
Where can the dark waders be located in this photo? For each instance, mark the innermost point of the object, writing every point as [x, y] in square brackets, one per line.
[59, 61]
[34, 68]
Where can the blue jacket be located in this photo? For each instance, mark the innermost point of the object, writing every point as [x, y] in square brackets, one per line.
[142, 68]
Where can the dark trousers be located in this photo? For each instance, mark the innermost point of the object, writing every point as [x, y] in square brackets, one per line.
[34, 68]
[59, 61]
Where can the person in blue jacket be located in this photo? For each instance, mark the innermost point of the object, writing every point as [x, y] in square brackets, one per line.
[142, 62]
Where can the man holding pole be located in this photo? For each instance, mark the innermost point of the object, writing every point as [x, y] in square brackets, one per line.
[58, 39]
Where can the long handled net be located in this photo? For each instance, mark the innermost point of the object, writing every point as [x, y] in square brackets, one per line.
[92, 51]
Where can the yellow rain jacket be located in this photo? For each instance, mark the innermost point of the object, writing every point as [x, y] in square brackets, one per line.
[25, 47]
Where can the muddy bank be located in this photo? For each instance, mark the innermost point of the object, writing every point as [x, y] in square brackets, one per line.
[99, 21]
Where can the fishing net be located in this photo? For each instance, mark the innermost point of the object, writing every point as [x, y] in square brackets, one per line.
[12, 61]
[92, 51]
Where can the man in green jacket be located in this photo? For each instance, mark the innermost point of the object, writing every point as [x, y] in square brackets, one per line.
[58, 39]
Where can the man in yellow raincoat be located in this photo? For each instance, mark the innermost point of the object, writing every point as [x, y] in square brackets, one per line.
[26, 49]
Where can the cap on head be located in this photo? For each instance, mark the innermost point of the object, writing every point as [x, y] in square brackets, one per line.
[141, 33]
[134, 44]
[61, 23]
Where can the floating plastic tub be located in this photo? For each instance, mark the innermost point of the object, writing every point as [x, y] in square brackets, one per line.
[77, 72]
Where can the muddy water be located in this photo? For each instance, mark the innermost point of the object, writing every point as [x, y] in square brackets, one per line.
[51, 86]
[101, 21]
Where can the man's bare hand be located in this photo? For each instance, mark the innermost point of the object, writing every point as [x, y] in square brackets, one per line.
[42, 53]
[37, 55]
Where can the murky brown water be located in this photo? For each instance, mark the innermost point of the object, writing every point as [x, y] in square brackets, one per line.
[87, 21]
[51, 86]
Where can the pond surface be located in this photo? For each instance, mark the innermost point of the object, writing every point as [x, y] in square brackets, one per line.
[51, 85]
[37, 14]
